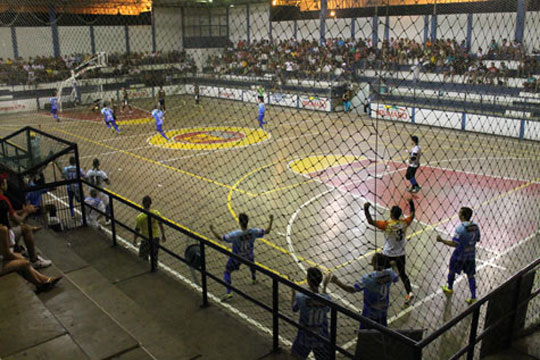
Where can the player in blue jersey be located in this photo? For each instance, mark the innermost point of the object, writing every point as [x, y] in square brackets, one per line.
[242, 244]
[314, 317]
[464, 255]
[376, 289]
[109, 117]
[54, 108]
[70, 173]
[262, 111]
[158, 116]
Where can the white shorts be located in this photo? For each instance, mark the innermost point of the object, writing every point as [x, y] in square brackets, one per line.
[15, 234]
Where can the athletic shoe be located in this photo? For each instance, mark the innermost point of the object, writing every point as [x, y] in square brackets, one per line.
[411, 189]
[447, 290]
[41, 263]
[108, 222]
[470, 301]
[415, 189]
[226, 297]
[408, 298]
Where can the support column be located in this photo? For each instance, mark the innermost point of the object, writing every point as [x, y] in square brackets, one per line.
[353, 25]
[126, 32]
[92, 40]
[387, 28]
[375, 32]
[210, 22]
[154, 46]
[520, 20]
[14, 42]
[433, 27]
[469, 31]
[54, 31]
[183, 15]
[295, 29]
[270, 21]
[322, 19]
[227, 16]
[426, 28]
[248, 25]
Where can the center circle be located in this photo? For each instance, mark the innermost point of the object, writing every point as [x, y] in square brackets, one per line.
[209, 138]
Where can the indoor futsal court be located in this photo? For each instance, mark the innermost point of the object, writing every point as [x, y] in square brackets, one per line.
[314, 172]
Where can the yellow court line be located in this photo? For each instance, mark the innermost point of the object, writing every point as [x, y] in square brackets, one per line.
[199, 177]
[16, 145]
[433, 226]
[196, 233]
[233, 213]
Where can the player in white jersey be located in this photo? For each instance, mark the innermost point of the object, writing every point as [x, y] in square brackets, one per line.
[395, 239]
[94, 202]
[414, 164]
[99, 178]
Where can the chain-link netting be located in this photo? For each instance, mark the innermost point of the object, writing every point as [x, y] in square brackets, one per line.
[307, 111]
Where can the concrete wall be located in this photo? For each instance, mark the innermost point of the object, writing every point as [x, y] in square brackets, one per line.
[140, 38]
[6, 46]
[74, 39]
[532, 29]
[259, 19]
[168, 26]
[452, 27]
[110, 39]
[237, 24]
[497, 26]
[34, 41]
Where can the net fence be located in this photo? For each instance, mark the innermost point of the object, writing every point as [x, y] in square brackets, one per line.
[307, 111]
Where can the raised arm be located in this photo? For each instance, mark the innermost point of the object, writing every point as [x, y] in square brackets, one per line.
[269, 227]
[216, 235]
[336, 281]
[411, 208]
[447, 242]
[368, 215]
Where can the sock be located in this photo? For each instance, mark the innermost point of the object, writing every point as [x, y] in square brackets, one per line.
[162, 134]
[115, 127]
[108, 124]
[451, 278]
[227, 279]
[472, 286]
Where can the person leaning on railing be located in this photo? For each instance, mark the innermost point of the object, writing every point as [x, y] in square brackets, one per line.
[11, 261]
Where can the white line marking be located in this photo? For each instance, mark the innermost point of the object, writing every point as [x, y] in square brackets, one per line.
[127, 244]
[491, 264]
[459, 279]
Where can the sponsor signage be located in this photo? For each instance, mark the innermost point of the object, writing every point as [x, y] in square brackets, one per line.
[315, 103]
[391, 112]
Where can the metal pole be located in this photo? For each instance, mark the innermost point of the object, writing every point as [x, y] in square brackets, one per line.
[81, 193]
[514, 309]
[204, 284]
[472, 335]
[275, 314]
[333, 333]
[113, 221]
[153, 260]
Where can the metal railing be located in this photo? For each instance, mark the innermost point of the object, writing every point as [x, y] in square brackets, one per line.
[415, 347]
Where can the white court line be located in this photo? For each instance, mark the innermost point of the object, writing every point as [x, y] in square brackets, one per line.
[114, 152]
[491, 264]
[488, 250]
[127, 244]
[459, 279]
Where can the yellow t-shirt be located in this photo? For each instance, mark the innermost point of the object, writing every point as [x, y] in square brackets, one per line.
[142, 224]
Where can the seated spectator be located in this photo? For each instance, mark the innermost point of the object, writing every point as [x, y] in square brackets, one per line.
[8, 215]
[13, 262]
[530, 84]
[492, 73]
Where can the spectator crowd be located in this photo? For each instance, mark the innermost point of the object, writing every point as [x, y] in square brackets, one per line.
[338, 58]
[43, 69]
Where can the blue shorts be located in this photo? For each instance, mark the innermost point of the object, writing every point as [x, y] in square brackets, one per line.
[54, 111]
[159, 128]
[305, 343]
[234, 264]
[468, 266]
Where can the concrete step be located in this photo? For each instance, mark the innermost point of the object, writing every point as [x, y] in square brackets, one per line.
[25, 321]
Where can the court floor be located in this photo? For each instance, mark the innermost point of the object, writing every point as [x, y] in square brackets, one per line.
[314, 171]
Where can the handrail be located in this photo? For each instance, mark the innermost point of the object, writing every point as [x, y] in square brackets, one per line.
[358, 317]
[427, 340]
